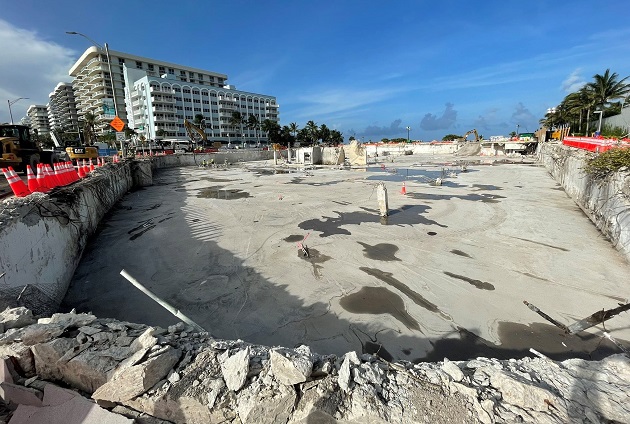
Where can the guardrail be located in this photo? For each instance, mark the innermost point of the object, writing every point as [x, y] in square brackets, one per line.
[593, 144]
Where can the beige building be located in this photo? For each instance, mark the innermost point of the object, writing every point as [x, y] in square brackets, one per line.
[93, 81]
[62, 108]
[38, 118]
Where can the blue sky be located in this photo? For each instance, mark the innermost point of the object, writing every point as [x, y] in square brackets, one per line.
[365, 68]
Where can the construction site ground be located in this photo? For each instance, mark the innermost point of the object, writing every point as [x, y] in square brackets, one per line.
[444, 275]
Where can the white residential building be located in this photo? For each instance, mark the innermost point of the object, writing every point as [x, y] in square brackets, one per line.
[62, 108]
[38, 117]
[93, 85]
[162, 103]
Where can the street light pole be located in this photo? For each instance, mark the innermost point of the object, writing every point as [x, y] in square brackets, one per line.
[111, 75]
[599, 125]
[408, 129]
[11, 103]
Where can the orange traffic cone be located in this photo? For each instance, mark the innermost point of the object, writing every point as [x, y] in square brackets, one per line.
[56, 171]
[32, 180]
[404, 189]
[51, 181]
[16, 183]
[80, 170]
[41, 178]
[91, 166]
[72, 173]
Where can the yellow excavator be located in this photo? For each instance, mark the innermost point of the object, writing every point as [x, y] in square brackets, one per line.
[196, 134]
[473, 131]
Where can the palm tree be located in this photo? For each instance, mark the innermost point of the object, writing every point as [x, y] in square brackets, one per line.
[254, 124]
[238, 119]
[606, 87]
[272, 129]
[336, 137]
[324, 133]
[293, 127]
[312, 131]
[89, 120]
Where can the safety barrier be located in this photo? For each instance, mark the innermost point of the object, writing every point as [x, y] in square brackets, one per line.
[593, 144]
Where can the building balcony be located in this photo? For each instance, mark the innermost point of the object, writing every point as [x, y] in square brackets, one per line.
[158, 90]
[162, 99]
[161, 118]
[97, 68]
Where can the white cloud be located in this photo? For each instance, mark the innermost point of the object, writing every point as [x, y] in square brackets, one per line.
[30, 67]
[573, 82]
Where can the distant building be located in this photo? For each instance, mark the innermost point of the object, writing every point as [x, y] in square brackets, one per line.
[95, 94]
[38, 117]
[162, 103]
[62, 108]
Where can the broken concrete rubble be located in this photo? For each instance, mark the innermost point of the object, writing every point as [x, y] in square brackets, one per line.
[186, 377]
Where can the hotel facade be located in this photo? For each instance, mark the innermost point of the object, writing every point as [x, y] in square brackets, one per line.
[151, 95]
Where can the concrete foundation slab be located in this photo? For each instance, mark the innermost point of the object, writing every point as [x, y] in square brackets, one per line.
[443, 276]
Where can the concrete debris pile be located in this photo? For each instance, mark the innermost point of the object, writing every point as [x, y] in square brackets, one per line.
[136, 373]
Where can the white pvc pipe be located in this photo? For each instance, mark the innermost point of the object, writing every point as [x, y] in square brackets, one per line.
[161, 302]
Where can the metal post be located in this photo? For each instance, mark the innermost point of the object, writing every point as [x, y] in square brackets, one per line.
[10, 113]
[111, 80]
[408, 129]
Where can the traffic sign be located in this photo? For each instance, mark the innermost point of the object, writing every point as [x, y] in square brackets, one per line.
[118, 124]
[120, 136]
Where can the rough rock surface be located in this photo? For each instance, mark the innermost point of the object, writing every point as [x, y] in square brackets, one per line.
[154, 375]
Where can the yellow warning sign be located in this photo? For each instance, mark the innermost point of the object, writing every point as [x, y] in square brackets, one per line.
[118, 124]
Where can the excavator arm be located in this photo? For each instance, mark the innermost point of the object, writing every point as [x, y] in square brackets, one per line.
[196, 134]
[473, 131]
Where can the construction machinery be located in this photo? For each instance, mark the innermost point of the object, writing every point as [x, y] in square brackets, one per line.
[196, 134]
[75, 150]
[473, 131]
[19, 149]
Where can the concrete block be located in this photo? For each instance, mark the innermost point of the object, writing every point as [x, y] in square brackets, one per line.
[20, 395]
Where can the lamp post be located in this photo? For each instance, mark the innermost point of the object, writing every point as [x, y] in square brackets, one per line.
[11, 103]
[111, 76]
[517, 127]
[408, 129]
[599, 125]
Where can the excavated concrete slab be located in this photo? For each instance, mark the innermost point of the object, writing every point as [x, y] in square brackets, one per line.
[444, 276]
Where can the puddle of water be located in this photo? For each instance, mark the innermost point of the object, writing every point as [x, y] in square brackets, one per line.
[219, 192]
[477, 283]
[264, 171]
[315, 258]
[380, 252]
[217, 180]
[473, 197]
[376, 301]
[432, 233]
[417, 298]
[486, 187]
[293, 238]
[542, 244]
[406, 215]
[460, 253]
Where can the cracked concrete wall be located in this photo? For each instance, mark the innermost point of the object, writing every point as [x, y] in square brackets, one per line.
[232, 156]
[606, 202]
[42, 236]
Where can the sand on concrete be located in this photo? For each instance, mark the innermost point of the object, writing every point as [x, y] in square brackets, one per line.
[444, 276]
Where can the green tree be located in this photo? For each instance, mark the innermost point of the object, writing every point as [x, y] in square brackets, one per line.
[254, 124]
[324, 133]
[293, 126]
[336, 137]
[451, 137]
[89, 134]
[238, 120]
[313, 132]
[272, 128]
[608, 87]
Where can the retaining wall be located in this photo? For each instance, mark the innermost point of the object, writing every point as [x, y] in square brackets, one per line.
[42, 236]
[605, 202]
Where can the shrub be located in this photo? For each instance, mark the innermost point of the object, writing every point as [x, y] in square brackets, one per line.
[608, 162]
